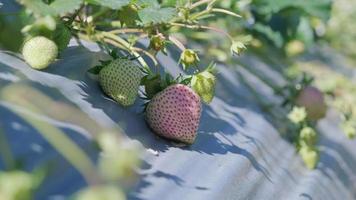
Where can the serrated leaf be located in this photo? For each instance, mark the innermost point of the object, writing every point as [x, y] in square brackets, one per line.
[152, 85]
[320, 8]
[156, 16]
[148, 3]
[43, 26]
[113, 4]
[65, 6]
[38, 7]
[270, 34]
[62, 36]
[174, 3]
[128, 16]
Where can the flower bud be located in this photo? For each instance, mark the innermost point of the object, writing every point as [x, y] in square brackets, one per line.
[188, 57]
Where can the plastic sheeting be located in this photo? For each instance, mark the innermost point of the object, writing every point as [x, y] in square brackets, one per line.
[238, 153]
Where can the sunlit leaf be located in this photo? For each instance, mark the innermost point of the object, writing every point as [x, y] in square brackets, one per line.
[113, 4]
[156, 16]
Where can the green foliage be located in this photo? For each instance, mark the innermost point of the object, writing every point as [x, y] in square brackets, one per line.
[113, 4]
[38, 7]
[320, 8]
[282, 21]
[174, 3]
[117, 24]
[65, 6]
[128, 16]
[57, 7]
[62, 36]
[341, 30]
[147, 3]
[156, 15]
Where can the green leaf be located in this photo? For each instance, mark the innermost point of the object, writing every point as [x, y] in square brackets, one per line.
[305, 32]
[41, 26]
[128, 16]
[152, 85]
[148, 3]
[274, 36]
[174, 3]
[65, 6]
[62, 36]
[113, 4]
[38, 7]
[151, 15]
[320, 8]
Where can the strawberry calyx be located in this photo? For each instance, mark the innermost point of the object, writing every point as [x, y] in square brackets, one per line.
[188, 58]
[291, 91]
[157, 42]
[114, 55]
[203, 83]
[155, 83]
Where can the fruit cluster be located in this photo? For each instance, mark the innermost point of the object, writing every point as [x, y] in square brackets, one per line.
[307, 105]
[174, 106]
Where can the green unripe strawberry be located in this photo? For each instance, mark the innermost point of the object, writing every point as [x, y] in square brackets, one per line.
[349, 129]
[16, 185]
[120, 80]
[39, 52]
[310, 156]
[188, 57]
[307, 137]
[294, 48]
[102, 192]
[157, 42]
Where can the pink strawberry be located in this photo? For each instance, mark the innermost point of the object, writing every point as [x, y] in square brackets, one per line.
[313, 100]
[175, 113]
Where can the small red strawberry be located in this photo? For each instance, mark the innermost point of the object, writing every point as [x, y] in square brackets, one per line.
[313, 100]
[174, 113]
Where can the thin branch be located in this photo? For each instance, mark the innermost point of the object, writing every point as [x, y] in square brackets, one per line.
[220, 10]
[126, 30]
[175, 41]
[147, 54]
[211, 4]
[126, 46]
[113, 42]
[75, 14]
[199, 3]
[194, 26]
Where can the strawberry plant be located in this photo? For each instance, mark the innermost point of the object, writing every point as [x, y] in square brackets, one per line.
[306, 105]
[121, 28]
[133, 33]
